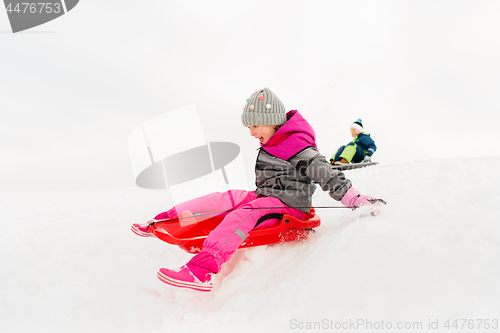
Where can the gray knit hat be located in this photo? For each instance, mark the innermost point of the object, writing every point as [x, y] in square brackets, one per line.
[263, 108]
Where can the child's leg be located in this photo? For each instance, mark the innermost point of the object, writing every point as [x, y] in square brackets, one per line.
[336, 156]
[359, 155]
[202, 208]
[349, 152]
[221, 243]
[210, 203]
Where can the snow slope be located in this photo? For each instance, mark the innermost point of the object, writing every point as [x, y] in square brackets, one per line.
[70, 263]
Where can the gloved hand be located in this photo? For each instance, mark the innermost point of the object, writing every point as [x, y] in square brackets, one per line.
[367, 159]
[353, 199]
[186, 218]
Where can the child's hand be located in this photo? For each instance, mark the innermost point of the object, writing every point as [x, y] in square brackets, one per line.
[367, 159]
[353, 199]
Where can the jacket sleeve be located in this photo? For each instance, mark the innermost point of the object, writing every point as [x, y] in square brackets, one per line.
[368, 144]
[311, 163]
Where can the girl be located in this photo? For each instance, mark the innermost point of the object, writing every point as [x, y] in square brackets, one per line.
[287, 165]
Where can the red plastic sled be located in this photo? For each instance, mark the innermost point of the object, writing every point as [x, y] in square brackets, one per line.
[191, 238]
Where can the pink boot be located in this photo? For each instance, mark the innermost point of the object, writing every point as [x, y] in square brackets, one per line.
[183, 277]
[142, 229]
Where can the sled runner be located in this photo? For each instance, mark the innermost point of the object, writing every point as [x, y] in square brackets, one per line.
[351, 166]
[190, 238]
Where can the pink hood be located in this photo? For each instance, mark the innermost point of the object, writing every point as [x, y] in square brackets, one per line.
[295, 135]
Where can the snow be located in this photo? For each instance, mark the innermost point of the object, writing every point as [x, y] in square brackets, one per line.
[70, 262]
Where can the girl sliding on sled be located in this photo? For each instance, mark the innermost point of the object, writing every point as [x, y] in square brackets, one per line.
[287, 165]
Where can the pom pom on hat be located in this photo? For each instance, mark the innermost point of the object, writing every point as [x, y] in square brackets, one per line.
[358, 125]
[263, 108]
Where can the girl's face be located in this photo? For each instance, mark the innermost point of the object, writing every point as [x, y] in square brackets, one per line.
[262, 132]
[354, 132]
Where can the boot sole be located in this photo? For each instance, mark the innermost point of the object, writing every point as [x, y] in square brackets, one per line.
[183, 284]
[138, 232]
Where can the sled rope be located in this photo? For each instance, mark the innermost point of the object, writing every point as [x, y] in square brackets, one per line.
[372, 201]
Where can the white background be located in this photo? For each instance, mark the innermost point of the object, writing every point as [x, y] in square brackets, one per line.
[423, 76]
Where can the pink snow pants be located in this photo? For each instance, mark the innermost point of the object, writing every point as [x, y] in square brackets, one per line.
[221, 243]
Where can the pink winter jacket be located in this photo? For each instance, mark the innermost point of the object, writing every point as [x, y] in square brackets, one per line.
[289, 165]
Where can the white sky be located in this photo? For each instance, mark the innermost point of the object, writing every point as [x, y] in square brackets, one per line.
[423, 76]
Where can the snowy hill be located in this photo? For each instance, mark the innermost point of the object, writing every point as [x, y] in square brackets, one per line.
[70, 263]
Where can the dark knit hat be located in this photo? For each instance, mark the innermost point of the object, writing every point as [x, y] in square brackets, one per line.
[358, 124]
[263, 108]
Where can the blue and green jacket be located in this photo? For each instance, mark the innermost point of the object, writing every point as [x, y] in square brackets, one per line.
[366, 143]
[356, 150]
